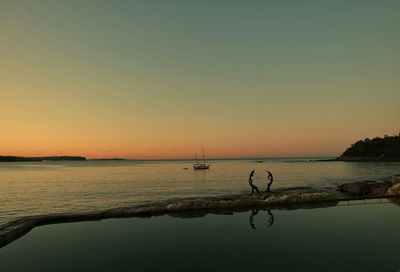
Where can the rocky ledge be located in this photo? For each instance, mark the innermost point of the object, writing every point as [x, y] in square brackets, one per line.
[371, 188]
[194, 207]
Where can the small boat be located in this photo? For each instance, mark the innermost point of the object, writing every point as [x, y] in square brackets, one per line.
[201, 165]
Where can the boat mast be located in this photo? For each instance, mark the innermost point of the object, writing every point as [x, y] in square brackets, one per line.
[204, 158]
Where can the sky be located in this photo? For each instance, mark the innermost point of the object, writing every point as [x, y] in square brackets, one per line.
[159, 79]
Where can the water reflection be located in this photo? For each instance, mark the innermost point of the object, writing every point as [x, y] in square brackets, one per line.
[307, 239]
[271, 218]
[251, 219]
[395, 201]
[200, 175]
[54, 187]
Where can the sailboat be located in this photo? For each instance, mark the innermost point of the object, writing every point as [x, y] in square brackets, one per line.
[201, 165]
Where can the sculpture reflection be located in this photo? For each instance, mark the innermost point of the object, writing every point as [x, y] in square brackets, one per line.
[271, 218]
[251, 219]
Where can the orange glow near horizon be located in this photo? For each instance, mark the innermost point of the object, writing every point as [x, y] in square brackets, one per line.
[274, 82]
[112, 146]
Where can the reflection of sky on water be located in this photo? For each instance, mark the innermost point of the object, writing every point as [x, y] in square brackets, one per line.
[342, 238]
[44, 187]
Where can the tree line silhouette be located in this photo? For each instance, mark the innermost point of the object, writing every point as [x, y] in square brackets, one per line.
[385, 149]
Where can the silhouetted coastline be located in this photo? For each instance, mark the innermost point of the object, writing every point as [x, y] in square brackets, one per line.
[377, 149]
[50, 158]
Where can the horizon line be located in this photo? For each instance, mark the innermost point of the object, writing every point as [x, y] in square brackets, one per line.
[181, 159]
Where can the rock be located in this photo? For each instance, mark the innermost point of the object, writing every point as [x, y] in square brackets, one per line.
[359, 187]
[282, 199]
[378, 192]
[396, 179]
[306, 197]
[294, 198]
[394, 190]
[367, 187]
[311, 197]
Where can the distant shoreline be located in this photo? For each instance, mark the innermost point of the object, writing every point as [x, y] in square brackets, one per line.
[367, 159]
[257, 160]
[47, 158]
[72, 158]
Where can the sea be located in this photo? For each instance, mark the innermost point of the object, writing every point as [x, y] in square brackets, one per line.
[34, 188]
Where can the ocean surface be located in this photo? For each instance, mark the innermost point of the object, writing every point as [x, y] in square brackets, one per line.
[31, 188]
[359, 237]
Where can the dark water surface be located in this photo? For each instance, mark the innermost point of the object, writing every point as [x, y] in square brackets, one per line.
[342, 238]
[31, 188]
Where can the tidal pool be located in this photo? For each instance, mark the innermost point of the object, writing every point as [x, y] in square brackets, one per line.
[362, 237]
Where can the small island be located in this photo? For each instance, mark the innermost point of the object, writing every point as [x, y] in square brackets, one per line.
[377, 149]
[49, 158]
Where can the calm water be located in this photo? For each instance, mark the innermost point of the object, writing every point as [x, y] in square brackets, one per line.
[38, 188]
[342, 238]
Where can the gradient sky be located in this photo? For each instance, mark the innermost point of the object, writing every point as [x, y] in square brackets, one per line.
[159, 79]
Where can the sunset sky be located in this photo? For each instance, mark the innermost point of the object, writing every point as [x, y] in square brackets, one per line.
[160, 79]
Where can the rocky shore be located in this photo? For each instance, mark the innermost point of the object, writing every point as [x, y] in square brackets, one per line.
[292, 198]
